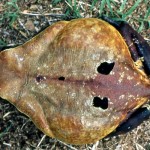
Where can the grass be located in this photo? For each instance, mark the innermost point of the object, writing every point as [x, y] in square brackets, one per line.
[75, 9]
[9, 16]
[111, 8]
[119, 11]
[11, 12]
[136, 12]
[2, 43]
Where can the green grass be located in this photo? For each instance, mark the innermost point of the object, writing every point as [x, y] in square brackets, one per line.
[119, 11]
[109, 8]
[9, 16]
[72, 9]
[2, 43]
[76, 9]
[11, 12]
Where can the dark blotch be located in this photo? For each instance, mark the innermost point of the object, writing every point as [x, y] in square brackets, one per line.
[102, 103]
[39, 78]
[105, 68]
[61, 78]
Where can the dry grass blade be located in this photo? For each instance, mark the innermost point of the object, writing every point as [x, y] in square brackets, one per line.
[19, 133]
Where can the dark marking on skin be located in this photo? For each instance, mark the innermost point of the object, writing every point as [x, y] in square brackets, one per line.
[105, 68]
[61, 78]
[39, 78]
[102, 103]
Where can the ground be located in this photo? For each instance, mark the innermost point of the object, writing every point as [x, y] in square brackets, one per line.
[21, 20]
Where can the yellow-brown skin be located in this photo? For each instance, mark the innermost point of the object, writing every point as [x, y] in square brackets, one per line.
[64, 109]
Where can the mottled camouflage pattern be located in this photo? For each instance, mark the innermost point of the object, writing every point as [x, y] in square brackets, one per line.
[64, 109]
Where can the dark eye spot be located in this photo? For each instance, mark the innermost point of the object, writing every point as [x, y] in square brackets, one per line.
[39, 78]
[105, 68]
[61, 78]
[102, 103]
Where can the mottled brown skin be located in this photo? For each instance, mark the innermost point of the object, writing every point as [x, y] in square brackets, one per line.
[64, 109]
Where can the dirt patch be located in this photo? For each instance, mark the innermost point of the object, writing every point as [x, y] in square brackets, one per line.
[16, 130]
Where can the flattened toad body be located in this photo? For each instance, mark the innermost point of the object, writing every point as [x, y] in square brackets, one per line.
[76, 80]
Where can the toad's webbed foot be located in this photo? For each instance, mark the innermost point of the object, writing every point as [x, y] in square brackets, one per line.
[137, 45]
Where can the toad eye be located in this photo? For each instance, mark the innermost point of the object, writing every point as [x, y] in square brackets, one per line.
[105, 68]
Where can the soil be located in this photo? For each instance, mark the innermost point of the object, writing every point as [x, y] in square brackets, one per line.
[17, 132]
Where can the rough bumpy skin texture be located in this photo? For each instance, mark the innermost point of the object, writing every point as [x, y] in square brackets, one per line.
[53, 78]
